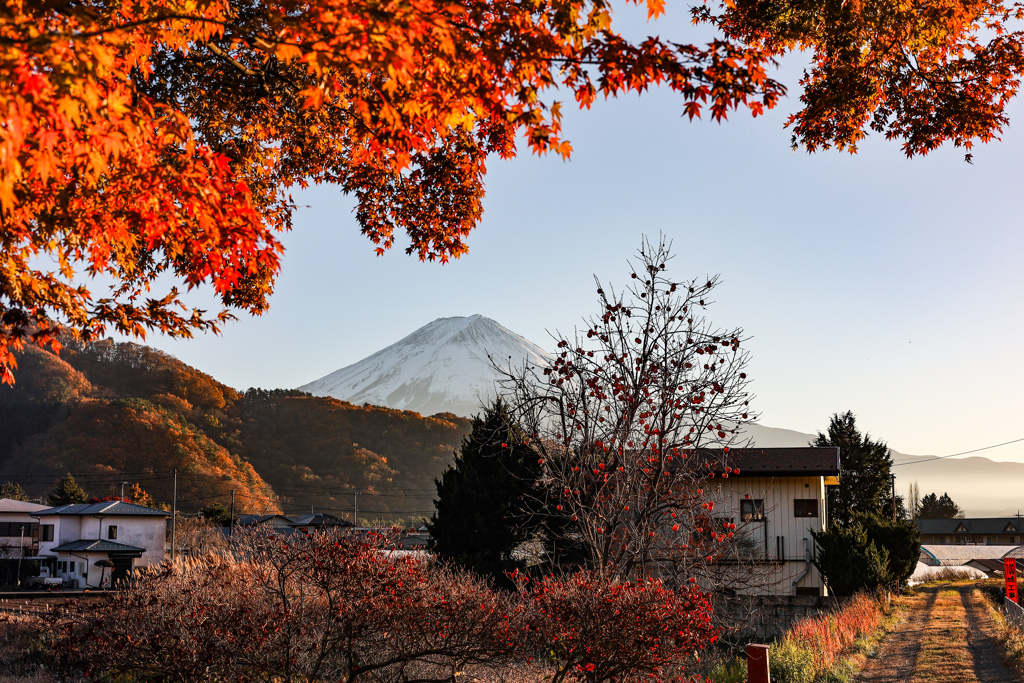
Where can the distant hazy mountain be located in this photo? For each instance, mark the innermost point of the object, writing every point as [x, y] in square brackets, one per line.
[982, 487]
[444, 366]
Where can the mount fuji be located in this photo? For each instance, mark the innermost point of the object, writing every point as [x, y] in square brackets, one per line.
[444, 366]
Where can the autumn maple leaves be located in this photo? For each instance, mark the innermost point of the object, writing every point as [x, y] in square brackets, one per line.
[155, 143]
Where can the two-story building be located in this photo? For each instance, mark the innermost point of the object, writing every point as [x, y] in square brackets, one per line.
[777, 498]
[19, 531]
[98, 544]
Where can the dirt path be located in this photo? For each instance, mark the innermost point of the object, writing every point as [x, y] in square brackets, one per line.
[948, 637]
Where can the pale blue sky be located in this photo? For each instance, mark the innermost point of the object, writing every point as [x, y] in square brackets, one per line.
[887, 286]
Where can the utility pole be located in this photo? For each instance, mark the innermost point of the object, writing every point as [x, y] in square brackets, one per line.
[122, 487]
[21, 552]
[355, 508]
[893, 476]
[174, 510]
[231, 522]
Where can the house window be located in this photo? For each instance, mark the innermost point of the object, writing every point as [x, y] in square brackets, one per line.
[805, 507]
[752, 510]
[112, 532]
[46, 532]
[62, 566]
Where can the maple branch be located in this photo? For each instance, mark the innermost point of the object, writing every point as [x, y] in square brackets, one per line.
[223, 54]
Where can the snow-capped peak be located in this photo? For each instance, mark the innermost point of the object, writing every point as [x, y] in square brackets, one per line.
[445, 366]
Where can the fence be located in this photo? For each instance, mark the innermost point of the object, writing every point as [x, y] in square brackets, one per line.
[1014, 613]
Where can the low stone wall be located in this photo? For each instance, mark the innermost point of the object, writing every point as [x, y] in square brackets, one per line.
[763, 617]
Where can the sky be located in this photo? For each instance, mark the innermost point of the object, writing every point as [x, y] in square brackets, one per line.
[888, 286]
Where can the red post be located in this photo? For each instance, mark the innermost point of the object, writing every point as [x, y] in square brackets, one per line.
[1010, 572]
[757, 664]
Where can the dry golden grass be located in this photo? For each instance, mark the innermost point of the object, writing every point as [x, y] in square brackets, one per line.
[1009, 635]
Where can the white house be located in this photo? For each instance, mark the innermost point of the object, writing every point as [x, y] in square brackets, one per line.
[19, 532]
[776, 498]
[119, 536]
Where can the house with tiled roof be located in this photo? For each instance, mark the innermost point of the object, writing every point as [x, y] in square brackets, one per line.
[776, 497]
[98, 544]
[318, 520]
[19, 531]
[972, 531]
[268, 521]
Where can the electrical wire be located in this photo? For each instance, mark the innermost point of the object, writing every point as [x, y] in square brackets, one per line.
[953, 455]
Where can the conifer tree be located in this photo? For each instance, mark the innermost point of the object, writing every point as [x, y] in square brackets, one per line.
[12, 491]
[485, 500]
[934, 507]
[864, 471]
[68, 491]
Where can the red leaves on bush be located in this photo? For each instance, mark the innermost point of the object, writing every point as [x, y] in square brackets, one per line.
[596, 629]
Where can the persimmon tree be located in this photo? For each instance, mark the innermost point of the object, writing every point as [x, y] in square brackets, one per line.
[619, 414]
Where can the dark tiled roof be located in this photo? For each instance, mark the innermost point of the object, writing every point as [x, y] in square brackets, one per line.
[107, 507]
[319, 519]
[249, 520]
[977, 525]
[96, 546]
[813, 461]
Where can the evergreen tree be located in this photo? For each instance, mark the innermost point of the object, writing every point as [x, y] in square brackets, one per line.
[218, 514]
[12, 491]
[934, 507]
[68, 491]
[864, 472]
[868, 553]
[485, 501]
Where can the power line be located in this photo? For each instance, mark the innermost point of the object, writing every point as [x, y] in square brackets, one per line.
[943, 457]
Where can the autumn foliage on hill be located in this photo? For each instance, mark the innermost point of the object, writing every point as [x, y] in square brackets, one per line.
[156, 142]
[103, 409]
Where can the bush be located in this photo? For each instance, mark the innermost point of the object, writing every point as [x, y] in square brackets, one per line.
[791, 663]
[734, 671]
[593, 629]
[318, 607]
[336, 606]
[867, 554]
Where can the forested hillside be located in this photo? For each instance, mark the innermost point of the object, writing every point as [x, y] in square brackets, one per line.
[111, 411]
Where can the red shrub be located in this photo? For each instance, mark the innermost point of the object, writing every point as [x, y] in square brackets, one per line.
[593, 629]
[318, 607]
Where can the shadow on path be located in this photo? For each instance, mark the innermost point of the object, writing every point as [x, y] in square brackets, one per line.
[948, 636]
[897, 656]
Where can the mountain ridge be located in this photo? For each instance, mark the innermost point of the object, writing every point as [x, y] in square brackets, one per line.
[982, 487]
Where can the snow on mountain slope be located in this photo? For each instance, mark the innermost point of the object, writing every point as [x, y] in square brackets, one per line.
[441, 367]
